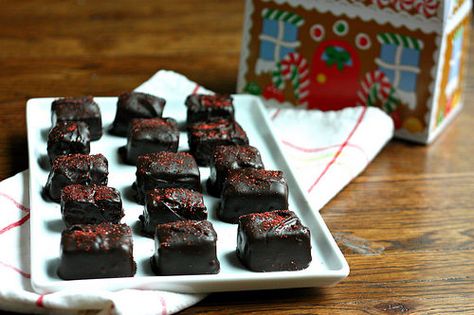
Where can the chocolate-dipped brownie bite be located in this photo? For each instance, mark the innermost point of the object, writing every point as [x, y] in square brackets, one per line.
[79, 109]
[203, 137]
[185, 248]
[68, 137]
[76, 169]
[166, 169]
[273, 241]
[171, 204]
[251, 190]
[96, 251]
[227, 158]
[135, 105]
[202, 107]
[151, 135]
[90, 205]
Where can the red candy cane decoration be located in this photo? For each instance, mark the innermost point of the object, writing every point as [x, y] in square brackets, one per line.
[293, 68]
[377, 87]
[428, 8]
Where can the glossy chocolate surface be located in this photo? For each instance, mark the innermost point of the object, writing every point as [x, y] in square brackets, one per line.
[171, 204]
[166, 169]
[96, 251]
[151, 135]
[227, 158]
[135, 105]
[79, 109]
[273, 241]
[204, 137]
[90, 205]
[202, 107]
[184, 248]
[76, 169]
[252, 190]
[68, 137]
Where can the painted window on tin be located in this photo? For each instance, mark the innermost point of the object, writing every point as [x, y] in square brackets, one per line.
[278, 38]
[399, 60]
[455, 62]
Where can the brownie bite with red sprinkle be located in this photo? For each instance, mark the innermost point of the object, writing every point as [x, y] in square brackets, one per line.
[76, 169]
[90, 205]
[204, 137]
[166, 169]
[96, 251]
[171, 204]
[68, 137]
[273, 241]
[227, 158]
[151, 135]
[251, 190]
[135, 105]
[185, 248]
[203, 107]
[79, 109]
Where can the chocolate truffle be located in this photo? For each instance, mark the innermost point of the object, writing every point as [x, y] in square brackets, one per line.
[135, 105]
[205, 136]
[251, 190]
[151, 135]
[76, 169]
[90, 204]
[96, 251]
[166, 169]
[227, 158]
[79, 109]
[201, 107]
[68, 137]
[171, 204]
[273, 241]
[185, 248]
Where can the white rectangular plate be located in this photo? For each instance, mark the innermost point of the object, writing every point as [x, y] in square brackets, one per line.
[327, 268]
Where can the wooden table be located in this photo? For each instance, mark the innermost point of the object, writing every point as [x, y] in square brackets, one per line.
[406, 225]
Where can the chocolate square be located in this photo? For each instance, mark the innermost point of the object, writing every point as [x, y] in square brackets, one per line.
[166, 169]
[90, 205]
[202, 107]
[68, 137]
[76, 169]
[151, 135]
[185, 248]
[169, 205]
[227, 158]
[205, 136]
[273, 241]
[96, 251]
[251, 190]
[135, 105]
[79, 109]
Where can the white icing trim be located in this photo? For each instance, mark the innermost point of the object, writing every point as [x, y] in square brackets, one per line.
[244, 51]
[435, 85]
[263, 66]
[447, 120]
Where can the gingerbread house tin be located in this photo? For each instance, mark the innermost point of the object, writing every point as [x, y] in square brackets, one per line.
[404, 56]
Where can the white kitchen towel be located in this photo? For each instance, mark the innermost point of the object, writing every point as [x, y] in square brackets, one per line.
[326, 150]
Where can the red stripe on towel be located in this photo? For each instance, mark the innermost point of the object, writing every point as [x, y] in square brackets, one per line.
[16, 203]
[21, 272]
[15, 224]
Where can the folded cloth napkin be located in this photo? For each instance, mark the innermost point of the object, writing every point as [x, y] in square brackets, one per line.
[325, 150]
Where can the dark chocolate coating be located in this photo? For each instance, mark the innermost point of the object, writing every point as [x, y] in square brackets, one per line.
[135, 105]
[204, 137]
[273, 241]
[169, 205]
[79, 109]
[251, 190]
[201, 107]
[90, 205]
[76, 169]
[96, 251]
[166, 169]
[151, 135]
[227, 158]
[68, 137]
[185, 248]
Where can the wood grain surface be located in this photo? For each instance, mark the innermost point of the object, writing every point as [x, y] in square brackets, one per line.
[406, 225]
